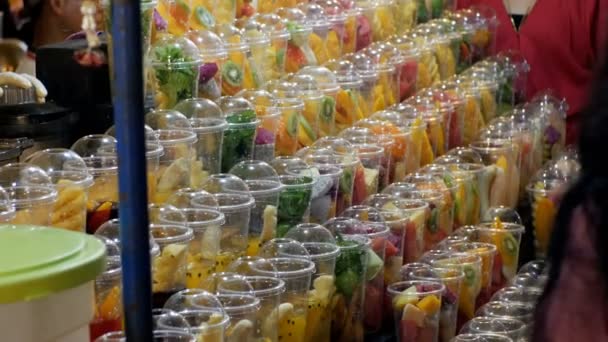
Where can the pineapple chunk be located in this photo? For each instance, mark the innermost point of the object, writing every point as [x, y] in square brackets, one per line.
[406, 297]
[429, 304]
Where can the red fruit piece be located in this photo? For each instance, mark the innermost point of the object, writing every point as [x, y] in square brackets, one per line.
[455, 138]
[428, 334]
[410, 252]
[390, 250]
[359, 188]
[407, 82]
[295, 58]
[247, 10]
[364, 33]
[408, 331]
[373, 308]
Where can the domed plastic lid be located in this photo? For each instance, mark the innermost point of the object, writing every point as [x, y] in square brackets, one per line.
[324, 77]
[111, 231]
[233, 38]
[284, 248]
[372, 222]
[400, 189]
[204, 115]
[263, 101]
[309, 233]
[7, 210]
[253, 32]
[261, 178]
[466, 155]
[244, 265]
[346, 73]
[315, 15]
[334, 11]
[237, 109]
[547, 180]
[63, 166]
[481, 337]
[210, 45]
[23, 174]
[168, 319]
[302, 86]
[216, 281]
[284, 268]
[337, 145]
[385, 54]
[113, 269]
[283, 164]
[148, 131]
[98, 152]
[296, 20]
[273, 25]
[494, 325]
[547, 100]
[167, 119]
[391, 116]
[37, 262]
[192, 198]
[225, 183]
[165, 213]
[481, 78]
[173, 52]
[508, 216]
[184, 301]
[166, 234]
[237, 305]
[512, 62]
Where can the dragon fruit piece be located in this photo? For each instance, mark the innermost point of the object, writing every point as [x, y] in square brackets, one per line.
[207, 71]
[264, 137]
[552, 135]
[159, 22]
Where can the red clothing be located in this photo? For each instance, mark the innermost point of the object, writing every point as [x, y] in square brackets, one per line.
[561, 40]
[576, 309]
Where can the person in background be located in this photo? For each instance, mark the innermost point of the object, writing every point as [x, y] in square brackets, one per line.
[574, 305]
[560, 39]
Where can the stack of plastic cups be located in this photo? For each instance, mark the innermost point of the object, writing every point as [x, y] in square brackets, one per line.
[318, 40]
[172, 57]
[470, 265]
[268, 290]
[368, 222]
[69, 175]
[452, 280]
[293, 310]
[416, 308]
[213, 56]
[299, 53]
[108, 294]
[236, 71]
[336, 16]
[502, 157]
[323, 251]
[239, 136]
[276, 30]
[209, 124]
[480, 327]
[30, 191]
[265, 187]
[351, 103]
[235, 202]
[203, 312]
[269, 115]
[102, 202]
[487, 253]
[328, 84]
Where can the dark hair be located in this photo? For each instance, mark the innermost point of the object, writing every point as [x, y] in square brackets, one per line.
[588, 193]
[22, 25]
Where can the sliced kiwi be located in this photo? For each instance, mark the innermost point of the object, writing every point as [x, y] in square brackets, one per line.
[232, 74]
[292, 124]
[510, 244]
[308, 129]
[328, 106]
[469, 275]
[204, 17]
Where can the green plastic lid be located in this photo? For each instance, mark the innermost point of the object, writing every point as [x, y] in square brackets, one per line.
[38, 261]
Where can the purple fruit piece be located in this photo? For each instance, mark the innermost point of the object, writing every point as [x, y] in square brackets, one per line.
[449, 297]
[159, 22]
[394, 239]
[552, 135]
[264, 137]
[207, 71]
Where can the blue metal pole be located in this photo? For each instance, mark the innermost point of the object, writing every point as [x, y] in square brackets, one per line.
[133, 209]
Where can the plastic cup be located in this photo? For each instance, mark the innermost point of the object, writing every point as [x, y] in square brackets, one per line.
[416, 307]
[521, 312]
[507, 239]
[327, 84]
[482, 337]
[441, 215]
[544, 210]
[299, 42]
[30, 192]
[7, 210]
[176, 14]
[509, 327]
[324, 192]
[234, 70]
[371, 158]
[336, 17]
[349, 165]
[158, 336]
[316, 17]
[351, 103]
[268, 290]
[386, 91]
[277, 31]
[502, 157]
[528, 280]
[487, 252]
[452, 280]
[175, 166]
[471, 265]
[296, 273]
[529, 296]
[294, 202]
[108, 300]
[314, 114]
[170, 267]
[173, 57]
[287, 138]
[269, 115]
[514, 70]
[351, 267]
[550, 112]
[213, 55]
[242, 310]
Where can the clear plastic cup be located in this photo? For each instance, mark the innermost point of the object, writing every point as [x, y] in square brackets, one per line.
[296, 273]
[535, 268]
[213, 55]
[428, 67]
[514, 69]
[306, 88]
[482, 337]
[351, 103]
[72, 182]
[487, 252]
[278, 33]
[176, 14]
[544, 208]
[239, 137]
[236, 69]
[108, 300]
[170, 267]
[336, 17]
[348, 299]
[268, 290]
[551, 113]
[111, 230]
[406, 15]
[452, 280]
[371, 157]
[242, 312]
[488, 90]
[169, 320]
[31, 193]
[507, 238]
[203, 312]
[369, 222]
[530, 280]
[349, 165]
[299, 52]
[508, 327]
[427, 126]
[208, 123]
[103, 165]
[294, 202]
[471, 265]
[529, 296]
[158, 336]
[223, 11]
[172, 57]
[236, 203]
[521, 312]
[327, 82]
[269, 115]
[363, 136]
[318, 40]
[7, 210]
[416, 309]
[287, 137]
[386, 91]
[176, 164]
[326, 180]
[265, 187]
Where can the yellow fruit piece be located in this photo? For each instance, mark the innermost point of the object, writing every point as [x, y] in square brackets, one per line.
[502, 163]
[488, 104]
[466, 303]
[318, 48]
[498, 223]
[248, 78]
[333, 45]
[544, 216]
[429, 304]
[253, 246]
[110, 307]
